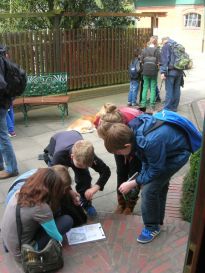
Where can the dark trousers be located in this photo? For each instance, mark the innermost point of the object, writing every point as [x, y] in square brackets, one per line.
[126, 167]
[76, 212]
[154, 193]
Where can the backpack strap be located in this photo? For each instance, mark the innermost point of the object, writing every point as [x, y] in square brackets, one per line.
[157, 124]
[18, 224]
[15, 183]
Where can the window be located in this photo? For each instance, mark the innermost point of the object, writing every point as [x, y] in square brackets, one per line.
[192, 20]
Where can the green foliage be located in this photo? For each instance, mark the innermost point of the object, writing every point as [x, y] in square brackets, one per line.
[22, 6]
[81, 6]
[190, 186]
[114, 6]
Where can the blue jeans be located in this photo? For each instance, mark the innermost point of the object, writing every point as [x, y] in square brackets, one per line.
[173, 92]
[154, 193]
[132, 95]
[7, 155]
[10, 120]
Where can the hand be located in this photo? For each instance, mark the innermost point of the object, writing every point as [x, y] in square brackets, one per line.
[75, 197]
[163, 77]
[90, 192]
[127, 186]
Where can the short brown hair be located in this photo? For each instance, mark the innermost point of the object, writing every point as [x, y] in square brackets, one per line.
[102, 128]
[117, 136]
[83, 151]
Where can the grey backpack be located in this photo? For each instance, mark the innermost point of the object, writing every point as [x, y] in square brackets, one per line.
[150, 62]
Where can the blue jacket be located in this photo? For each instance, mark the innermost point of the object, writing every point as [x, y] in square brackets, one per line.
[194, 135]
[165, 60]
[159, 150]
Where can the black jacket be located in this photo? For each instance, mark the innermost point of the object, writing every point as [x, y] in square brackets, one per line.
[60, 149]
[150, 59]
[5, 99]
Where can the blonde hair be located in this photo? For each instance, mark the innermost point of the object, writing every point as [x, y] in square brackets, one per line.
[111, 113]
[83, 151]
[62, 171]
[153, 40]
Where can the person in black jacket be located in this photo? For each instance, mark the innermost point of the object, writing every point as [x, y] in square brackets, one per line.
[8, 163]
[150, 60]
[68, 148]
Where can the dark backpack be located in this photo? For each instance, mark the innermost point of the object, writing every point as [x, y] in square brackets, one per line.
[150, 61]
[15, 78]
[179, 58]
[134, 69]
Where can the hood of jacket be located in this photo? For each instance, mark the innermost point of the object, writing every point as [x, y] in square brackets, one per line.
[140, 126]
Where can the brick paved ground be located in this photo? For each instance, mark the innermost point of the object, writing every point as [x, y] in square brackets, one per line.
[120, 253]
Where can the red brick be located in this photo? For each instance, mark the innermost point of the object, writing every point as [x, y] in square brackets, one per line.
[181, 241]
[122, 229]
[162, 268]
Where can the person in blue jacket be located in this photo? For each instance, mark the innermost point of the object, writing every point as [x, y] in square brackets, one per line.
[173, 77]
[163, 149]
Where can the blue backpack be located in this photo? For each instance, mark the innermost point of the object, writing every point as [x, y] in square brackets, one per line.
[134, 69]
[194, 135]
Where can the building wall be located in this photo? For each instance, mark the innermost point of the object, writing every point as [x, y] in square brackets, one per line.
[173, 24]
[149, 3]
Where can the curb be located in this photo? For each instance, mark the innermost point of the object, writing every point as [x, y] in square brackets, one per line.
[197, 110]
[85, 94]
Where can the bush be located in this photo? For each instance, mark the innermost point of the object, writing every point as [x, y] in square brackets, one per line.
[190, 186]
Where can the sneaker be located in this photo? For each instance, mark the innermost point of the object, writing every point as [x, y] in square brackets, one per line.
[147, 235]
[129, 104]
[134, 104]
[91, 212]
[12, 134]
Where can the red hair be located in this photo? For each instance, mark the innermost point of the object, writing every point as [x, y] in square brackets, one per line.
[44, 186]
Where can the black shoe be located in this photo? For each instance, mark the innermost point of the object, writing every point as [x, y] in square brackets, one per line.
[41, 157]
[143, 109]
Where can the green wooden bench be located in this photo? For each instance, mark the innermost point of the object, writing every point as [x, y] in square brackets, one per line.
[45, 89]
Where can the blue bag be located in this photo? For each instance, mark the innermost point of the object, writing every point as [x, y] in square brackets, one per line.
[194, 135]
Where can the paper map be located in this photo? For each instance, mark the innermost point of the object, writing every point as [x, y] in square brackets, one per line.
[85, 233]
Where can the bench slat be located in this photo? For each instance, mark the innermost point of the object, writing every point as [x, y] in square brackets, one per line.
[55, 100]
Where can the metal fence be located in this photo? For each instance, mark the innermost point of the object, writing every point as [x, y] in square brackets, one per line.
[91, 57]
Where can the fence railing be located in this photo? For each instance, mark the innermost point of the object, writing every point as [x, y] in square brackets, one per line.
[92, 57]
